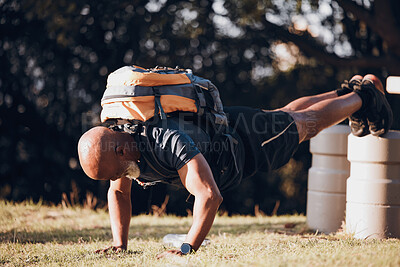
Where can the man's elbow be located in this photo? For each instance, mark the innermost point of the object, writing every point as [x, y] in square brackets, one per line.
[215, 198]
[219, 198]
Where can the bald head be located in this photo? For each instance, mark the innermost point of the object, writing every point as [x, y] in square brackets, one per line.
[105, 154]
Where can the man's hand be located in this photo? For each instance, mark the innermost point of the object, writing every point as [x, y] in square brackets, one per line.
[116, 249]
[169, 253]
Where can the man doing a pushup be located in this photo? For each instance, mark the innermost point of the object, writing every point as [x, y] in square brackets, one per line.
[264, 140]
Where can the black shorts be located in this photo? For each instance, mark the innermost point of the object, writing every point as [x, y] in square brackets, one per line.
[270, 138]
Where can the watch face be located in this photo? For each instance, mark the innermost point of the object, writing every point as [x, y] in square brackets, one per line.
[186, 248]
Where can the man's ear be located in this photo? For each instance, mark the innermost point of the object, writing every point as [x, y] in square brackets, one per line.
[119, 150]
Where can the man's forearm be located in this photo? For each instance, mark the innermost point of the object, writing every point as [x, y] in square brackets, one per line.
[120, 209]
[204, 211]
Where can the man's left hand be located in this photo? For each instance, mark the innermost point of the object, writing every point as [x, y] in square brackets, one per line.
[169, 253]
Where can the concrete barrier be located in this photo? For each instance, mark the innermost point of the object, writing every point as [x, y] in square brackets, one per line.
[326, 196]
[373, 188]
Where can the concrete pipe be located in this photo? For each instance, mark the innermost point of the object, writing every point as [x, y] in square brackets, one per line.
[373, 188]
[326, 196]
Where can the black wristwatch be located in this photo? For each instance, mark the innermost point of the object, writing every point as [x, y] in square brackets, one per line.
[186, 248]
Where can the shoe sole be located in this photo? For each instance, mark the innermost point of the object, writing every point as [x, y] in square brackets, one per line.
[358, 123]
[385, 114]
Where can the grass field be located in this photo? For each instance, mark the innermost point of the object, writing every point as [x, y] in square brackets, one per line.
[39, 235]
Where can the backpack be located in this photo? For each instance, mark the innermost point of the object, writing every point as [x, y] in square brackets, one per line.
[137, 94]
[136, 97]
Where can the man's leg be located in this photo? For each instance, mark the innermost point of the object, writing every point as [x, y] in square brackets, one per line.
[323, 114]
[366, 96]
[307, 101]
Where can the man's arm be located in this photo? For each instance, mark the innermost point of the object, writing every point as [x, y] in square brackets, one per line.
[198, 179]
[120, 209]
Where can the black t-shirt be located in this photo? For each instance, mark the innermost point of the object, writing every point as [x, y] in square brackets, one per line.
[175, 142]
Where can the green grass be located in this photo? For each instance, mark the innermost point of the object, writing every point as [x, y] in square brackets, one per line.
[39, 235]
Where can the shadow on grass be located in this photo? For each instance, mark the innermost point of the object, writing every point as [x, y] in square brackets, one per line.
[146, 232]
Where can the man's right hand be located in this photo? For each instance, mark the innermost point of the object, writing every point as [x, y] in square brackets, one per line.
[115, 249]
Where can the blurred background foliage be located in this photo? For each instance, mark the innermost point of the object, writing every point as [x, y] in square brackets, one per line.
[55, 57]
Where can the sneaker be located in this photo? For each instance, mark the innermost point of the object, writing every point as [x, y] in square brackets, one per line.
[348, 86]
[377, 109]
[358, 121]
